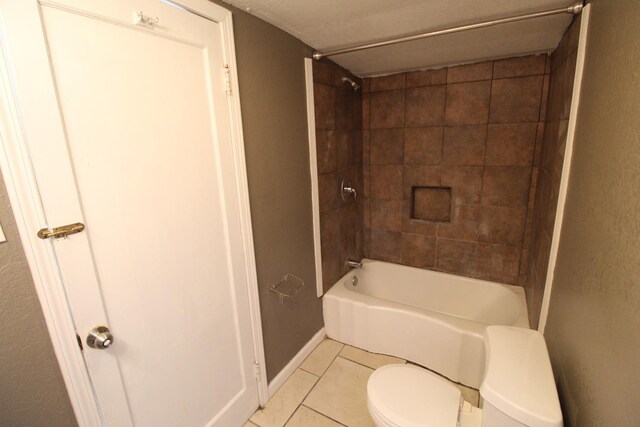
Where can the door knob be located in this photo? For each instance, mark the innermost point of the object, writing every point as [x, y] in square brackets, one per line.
[100, 338]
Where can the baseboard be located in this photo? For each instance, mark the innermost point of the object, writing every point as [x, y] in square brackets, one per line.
[286, 372]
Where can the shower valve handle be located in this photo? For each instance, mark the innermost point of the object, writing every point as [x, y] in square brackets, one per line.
[347, 189]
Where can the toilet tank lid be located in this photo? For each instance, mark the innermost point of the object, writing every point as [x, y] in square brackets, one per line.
[518, 377]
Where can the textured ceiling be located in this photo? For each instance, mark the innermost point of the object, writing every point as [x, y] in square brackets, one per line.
[331, 24]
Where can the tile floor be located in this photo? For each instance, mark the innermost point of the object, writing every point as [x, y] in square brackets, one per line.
[329, 389]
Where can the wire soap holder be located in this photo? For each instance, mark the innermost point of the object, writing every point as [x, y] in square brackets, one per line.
[288, 286]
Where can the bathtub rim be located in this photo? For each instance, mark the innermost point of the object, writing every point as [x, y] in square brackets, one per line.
[461, 322]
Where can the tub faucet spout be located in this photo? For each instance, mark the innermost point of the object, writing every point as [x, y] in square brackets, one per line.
[354, 264]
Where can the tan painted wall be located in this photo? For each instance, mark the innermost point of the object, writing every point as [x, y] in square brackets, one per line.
[594, 319]
[273, 97]
[32, 392]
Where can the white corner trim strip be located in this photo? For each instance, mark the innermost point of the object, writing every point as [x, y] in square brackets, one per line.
[286, 372]
[242, 190]
[313, 169]
[566, 168]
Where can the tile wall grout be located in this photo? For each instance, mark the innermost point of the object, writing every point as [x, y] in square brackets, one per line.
[486, 124]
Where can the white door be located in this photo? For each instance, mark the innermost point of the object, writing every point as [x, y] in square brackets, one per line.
[129, 130]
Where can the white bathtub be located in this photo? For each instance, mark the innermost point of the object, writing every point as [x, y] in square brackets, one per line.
[433, 319]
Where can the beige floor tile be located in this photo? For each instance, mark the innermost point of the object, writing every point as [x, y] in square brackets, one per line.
[341, 393]
[283, 404]
[321, 357]
[305, 417]
[249, 424]
[372, 360]
[469, 394]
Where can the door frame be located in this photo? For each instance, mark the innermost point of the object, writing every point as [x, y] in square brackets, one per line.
[29, 215]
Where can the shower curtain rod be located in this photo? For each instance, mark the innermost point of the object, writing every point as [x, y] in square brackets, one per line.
[574, 10]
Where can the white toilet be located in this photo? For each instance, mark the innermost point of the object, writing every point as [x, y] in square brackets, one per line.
[518, 389]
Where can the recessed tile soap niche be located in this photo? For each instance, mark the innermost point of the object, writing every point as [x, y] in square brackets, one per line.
[431, 204]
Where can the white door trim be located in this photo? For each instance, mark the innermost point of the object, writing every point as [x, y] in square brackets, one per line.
[237, 138]
[313, 168]
[566, 167]
[29, 214]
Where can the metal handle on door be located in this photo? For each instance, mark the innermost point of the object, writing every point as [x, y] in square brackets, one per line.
[64, 231]
[100, 338]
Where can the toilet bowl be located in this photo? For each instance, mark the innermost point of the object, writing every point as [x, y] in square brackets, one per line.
[518, 389]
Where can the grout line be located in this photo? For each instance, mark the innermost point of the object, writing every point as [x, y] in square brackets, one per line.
[366, 366]
[357, 363]
[403, 185]
[484, 168]
[303, 398]
[444, 125]
[324, 415]
[530, 211]
[336, 356]
[327, 368]
[298, 406]
[309, 372]
[519, 77]
[519, 122]
[368, 181]
[315, 384]
[502, 245]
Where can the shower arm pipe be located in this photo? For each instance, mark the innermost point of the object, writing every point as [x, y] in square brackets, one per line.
[574, 10]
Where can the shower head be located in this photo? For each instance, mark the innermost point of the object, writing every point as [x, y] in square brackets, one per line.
[354, 85]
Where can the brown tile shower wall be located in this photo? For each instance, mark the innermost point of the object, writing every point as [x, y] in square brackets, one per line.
[338, 113]
[548, 169]
[448, 160]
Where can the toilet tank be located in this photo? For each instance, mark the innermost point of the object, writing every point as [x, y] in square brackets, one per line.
[518, 386]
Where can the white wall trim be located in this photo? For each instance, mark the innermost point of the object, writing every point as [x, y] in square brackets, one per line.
[237, 136]
[29, 214]
[313, 168]
[286, 372]
[566, 168]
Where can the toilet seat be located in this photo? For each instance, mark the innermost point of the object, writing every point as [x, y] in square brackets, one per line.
[409, 396]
